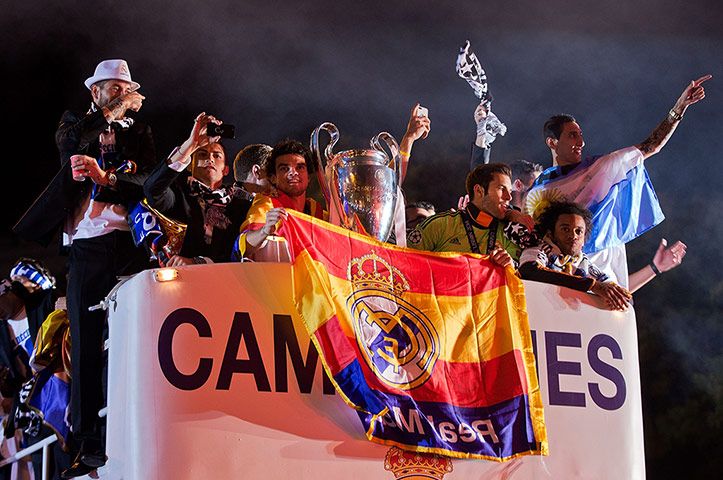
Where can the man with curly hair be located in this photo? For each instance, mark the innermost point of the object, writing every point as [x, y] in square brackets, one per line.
[288, 172]
[559, 258]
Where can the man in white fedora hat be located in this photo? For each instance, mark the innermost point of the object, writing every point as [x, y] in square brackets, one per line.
[105, 158]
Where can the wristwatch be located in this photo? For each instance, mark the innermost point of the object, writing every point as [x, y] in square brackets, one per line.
[112, 179]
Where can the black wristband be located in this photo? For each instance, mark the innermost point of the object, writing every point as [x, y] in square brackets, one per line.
[655, 269]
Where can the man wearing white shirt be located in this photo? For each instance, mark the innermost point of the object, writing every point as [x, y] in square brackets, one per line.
[105, 157]
[614, 187]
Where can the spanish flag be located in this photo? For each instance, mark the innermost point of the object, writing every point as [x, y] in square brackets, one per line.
[432, 349]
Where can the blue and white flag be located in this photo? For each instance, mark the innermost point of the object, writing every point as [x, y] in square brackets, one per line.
[615, 187]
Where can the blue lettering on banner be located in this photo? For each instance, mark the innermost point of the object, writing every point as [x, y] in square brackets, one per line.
[288, 352]
[285, 340]
[606, 371]
[557, 368]
[165, 345]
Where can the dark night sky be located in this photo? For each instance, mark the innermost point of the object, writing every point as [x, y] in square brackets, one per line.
[278, 69]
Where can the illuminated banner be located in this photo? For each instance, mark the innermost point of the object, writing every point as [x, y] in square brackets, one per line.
[212, 375]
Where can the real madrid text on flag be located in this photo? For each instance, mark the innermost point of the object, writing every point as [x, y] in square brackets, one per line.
[432, 349]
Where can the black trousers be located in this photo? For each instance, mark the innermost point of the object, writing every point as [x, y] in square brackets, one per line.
[93, 266]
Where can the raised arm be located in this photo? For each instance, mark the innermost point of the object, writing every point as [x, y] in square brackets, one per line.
[157, 188]
[196, 139]
[693, 93]
[480, 147]
[418, 127]
[665, 259]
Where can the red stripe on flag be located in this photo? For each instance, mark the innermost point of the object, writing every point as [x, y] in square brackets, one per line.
[335, 346]
[440, 274]
[466, 384]
[252, 226]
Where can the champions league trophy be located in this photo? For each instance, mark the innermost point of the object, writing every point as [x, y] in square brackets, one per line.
[362, 186]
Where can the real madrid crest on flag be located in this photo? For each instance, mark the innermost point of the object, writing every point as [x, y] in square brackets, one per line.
[399, 344]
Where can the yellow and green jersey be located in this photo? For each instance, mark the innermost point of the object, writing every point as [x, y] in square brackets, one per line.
[445, 232]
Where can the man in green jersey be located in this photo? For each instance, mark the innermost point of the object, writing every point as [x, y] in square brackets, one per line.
[480, 227]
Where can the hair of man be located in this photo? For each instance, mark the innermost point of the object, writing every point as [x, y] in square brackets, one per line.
[286, 147]
[255, 154]
[522, 170]
[554, 125]
[423, 205]
[548, 218]
[482, 175]
[101, 83]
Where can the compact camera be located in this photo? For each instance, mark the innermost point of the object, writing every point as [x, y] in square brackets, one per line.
[224, 130]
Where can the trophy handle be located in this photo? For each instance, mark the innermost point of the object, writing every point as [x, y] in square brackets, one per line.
[316, 154]
[393, 148]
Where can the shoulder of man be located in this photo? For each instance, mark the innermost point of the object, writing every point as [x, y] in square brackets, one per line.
[436, 223]
[520, 235]
[444, 216]
[73, 119]
[237, 201]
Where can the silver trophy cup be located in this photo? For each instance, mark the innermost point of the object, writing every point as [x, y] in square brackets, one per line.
[362, 184]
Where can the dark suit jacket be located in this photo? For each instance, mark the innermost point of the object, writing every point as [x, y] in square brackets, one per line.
[167, 191]
[79, 134]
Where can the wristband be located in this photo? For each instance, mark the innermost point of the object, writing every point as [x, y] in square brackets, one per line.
[655, 269]
[404, 154]
[675, 116]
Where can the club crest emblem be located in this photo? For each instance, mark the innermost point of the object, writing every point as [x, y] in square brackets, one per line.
[398, 342]
[416, 465]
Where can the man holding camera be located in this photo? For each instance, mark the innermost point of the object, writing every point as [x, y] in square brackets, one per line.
[105, 157]
[211, 209]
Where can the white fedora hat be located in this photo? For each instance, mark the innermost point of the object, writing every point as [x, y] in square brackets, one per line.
[112, 70]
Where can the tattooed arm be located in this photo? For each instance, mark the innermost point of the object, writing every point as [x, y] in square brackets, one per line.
[116, 108]
[662, 133]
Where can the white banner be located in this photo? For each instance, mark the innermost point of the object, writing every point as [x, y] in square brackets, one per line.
[212, 375]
